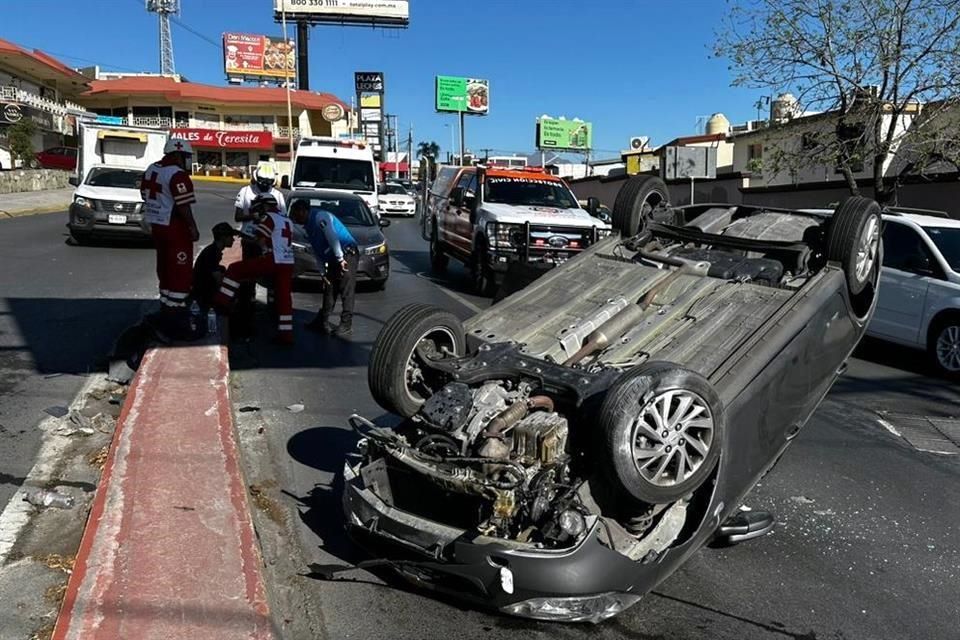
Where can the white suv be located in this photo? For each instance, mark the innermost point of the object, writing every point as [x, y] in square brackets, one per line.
[919, 298]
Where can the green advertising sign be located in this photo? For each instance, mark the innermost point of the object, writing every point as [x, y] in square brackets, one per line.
[468, 95]
[571, 135]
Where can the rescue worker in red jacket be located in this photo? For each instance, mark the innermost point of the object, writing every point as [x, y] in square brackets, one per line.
[168, 194]
[275, 236]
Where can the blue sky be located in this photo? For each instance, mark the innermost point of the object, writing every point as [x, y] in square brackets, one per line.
[632, 67]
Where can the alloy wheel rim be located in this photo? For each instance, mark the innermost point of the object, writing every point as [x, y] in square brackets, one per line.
[868, 248]
[948, 348]
[431, 344]
[672, 437]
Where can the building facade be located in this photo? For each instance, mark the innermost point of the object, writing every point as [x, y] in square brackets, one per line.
[230, 128]
[37, 87]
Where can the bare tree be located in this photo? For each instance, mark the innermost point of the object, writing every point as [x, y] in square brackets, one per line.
[887, 70]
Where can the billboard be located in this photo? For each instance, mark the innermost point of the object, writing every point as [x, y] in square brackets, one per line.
[386, 13]
[462, 95]
[568, 135]
[370, 87]
[250, 55]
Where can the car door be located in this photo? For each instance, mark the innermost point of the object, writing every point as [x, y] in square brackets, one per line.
[464, 221]
[908, 266]
[455, 234]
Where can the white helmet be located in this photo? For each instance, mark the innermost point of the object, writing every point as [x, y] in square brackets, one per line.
[265, 176]
[176, 145]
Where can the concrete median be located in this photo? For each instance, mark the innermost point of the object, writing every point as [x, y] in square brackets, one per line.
[169, 550]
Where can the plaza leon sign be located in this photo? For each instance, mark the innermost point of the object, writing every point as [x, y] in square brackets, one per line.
[215, 139]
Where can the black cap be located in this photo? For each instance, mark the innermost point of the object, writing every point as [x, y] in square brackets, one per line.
[224, 229]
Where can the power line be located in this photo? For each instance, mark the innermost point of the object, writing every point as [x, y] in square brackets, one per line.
[181, 24]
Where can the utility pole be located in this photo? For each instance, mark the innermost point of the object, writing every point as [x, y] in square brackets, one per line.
[164, 9]
[486, 154]
[410, 154]
[396, 147]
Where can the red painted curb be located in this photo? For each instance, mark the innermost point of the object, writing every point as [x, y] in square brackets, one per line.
[169, 549]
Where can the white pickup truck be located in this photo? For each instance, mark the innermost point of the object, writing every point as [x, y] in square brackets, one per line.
[492, 218]
[110, 162]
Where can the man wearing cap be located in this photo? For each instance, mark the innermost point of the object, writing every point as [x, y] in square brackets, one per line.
[207, 270]
[337, 259]
[275, 238]
[168, 194]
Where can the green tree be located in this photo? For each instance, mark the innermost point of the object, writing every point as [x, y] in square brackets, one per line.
[20, 137]
[428, 152]
[888, 71]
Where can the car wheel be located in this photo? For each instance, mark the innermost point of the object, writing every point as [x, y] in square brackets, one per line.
[637, 198]
[853, 240]
[944, 346]
[662, 428]
[379, 285]
[398, 380]
[438, 259]
[484, 283]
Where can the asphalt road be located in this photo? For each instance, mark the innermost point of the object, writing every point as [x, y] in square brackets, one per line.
[867, 545]
[61, 308]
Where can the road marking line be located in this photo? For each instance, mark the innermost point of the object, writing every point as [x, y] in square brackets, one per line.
[889, 427]
[18, 511]
[458, 298]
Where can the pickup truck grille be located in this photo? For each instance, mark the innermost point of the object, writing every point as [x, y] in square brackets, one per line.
[113, 206]
[545, 243]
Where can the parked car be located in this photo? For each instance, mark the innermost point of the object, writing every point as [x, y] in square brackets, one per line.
[395, 200]
[919, 302]
[58, 158]
[364, 225]
[563, 452]
[492, 218]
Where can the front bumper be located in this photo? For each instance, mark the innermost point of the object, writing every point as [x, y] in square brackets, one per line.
[586, 583]
[370, 268]
[544, 246]
[398, 210]
[88, 223]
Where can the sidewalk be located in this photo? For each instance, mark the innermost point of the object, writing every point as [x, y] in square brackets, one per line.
[27, 203]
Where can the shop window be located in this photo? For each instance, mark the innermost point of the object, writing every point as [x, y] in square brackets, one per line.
[209, 160]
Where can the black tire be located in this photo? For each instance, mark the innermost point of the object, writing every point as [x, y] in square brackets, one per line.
[853, 241]
[624, 440]
[394, 356]
[438, 259]
[635, 200]
[484, 281]
[943, 345]
[78, 239]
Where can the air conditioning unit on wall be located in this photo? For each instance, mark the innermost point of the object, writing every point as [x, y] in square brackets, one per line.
[639, 143]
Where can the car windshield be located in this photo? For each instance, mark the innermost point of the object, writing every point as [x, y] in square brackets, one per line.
[528, 191]
[350, 211]
[394, 189]
[334, 173]
[118, 178]
[948, 242]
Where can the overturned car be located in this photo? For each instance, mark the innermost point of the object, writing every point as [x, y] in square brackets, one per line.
[566, 450]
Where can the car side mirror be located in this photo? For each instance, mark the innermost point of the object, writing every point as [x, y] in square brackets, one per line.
[593, 206]
[456, 196]
[285, 182]
[385, 222]
[74, 181]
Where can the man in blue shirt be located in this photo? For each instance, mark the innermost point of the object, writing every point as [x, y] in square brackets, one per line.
[337, 259]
